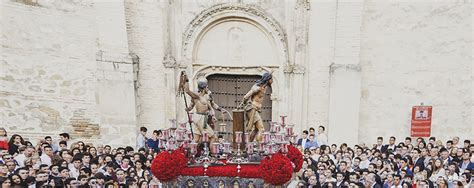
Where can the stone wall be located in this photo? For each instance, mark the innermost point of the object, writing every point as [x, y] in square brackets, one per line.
[48, 80]
[53, 75]
[144, 21]
[413, 53]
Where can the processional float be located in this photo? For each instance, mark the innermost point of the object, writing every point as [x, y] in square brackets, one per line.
[242, 162]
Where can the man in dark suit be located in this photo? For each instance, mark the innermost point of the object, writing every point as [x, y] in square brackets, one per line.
[417, 159]
[382, 148]
[391, 145]
[466, 163]
[302, 141]
[340, 183]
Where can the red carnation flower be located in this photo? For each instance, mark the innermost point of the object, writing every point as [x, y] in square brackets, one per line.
[167, 166]
[276, 170]
[296, 157]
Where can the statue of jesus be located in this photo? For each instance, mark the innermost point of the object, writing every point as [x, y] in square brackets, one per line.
[252, 104]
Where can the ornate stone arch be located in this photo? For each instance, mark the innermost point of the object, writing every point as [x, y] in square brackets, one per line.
[250, 13]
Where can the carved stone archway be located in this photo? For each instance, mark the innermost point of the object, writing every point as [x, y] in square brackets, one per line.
[250, 13]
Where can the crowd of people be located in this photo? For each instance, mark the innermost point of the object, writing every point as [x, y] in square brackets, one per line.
[63, 163]
[409, 163]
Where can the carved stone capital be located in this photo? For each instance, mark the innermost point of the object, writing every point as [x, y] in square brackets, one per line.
[353, 67]
[169, 61]
[288, 68]
[299, 69]
[294, 69]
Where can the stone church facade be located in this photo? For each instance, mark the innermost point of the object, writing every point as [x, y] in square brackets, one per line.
[100, 69]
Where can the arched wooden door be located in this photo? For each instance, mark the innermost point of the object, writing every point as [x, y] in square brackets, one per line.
[229, 90]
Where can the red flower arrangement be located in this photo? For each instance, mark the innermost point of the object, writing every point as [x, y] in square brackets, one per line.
[226, 171]
[250, 171]
[193, 171]
[296, 157]
[276, 169]
[167, 166]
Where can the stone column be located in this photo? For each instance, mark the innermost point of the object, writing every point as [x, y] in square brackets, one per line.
[345, 75]
[295, 71]
[145, 28]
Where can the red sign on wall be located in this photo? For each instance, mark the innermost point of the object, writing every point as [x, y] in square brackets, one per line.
[421, 121]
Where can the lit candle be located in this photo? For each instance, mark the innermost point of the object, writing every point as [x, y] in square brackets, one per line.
[250, 148]
[283, 120]
[179, 134]
[270, 149]
[185, 144]
[173, 133]
[215, 148]
[226, 147]
[272, 126]
[161, 143]
[284, 149]
[173, 123]
[238, 137]
[166, 134]
[205, 136]
[193, 147]
[278, 137]
[190, 135]
[289, 130]
[266, 137]
[277, 128]
[261, 146]
[171, 145]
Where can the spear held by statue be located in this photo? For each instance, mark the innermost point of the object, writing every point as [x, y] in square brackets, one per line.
[183, 79]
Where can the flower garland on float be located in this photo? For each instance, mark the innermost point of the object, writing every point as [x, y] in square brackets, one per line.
[274, 169]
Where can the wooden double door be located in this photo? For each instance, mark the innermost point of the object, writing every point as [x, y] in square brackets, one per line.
[229, 90]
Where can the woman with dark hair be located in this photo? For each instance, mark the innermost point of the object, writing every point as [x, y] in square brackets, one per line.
[410, 161]
[16, 180]
[438, 170]
[82, 147]
[62, 163]
[143, 184]
[430, 146]
[465, 180]
[406, 185]
[93, 151]
[421, 145]
[5, 182]
[75, 151]
[15, 142]
[139, 168]
[441, 183]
